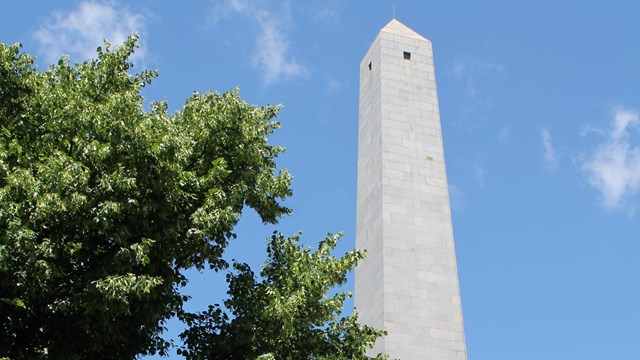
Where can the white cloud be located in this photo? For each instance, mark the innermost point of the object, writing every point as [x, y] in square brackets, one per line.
[80, 31]
[491, 67]
[327, 11]
[505, 133]
[272, 48]
[457, 197]
[547, 144]
[333, 84]
[470, 89]
[458, 68]
[473, 74]
[613, 168]
[467, 68]
[478, 171]
[623, 119]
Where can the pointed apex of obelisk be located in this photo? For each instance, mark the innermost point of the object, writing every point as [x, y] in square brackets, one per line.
[396, 27]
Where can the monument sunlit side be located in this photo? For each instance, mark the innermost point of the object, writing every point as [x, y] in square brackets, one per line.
[408, 284]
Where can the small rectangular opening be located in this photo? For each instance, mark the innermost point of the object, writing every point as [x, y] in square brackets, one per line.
[407, 55]
[369, 66]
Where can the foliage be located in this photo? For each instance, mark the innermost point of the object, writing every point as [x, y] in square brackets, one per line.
[103, 203]
[286, 315]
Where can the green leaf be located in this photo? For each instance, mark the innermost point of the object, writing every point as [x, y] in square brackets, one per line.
[104, 204]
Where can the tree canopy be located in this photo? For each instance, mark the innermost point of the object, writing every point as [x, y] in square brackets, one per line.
[287, 313]
[104, 203]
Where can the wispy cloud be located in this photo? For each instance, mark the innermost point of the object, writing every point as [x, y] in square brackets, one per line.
[613, 168]
[547, 145]
[457, 197]
[470, 70]
[504, 134]
[466, 68]
[473, 74]
[327, 11]
[470, 89]
[271, 54]
[80, 31]
[458, 69]
[333, 84]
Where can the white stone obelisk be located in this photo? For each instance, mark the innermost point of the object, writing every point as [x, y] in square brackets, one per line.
[408, 284]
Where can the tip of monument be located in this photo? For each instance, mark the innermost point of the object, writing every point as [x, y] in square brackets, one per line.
[396, 27]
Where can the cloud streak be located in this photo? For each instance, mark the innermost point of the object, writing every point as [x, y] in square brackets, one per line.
[271, 54]
[613, 168]
[473, 74]
[461, 68]
[478, 172]
[547, 145]
[333, 84]
[80, 31]
[504, 134]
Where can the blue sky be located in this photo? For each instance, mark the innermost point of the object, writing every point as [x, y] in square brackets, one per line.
[539, 104]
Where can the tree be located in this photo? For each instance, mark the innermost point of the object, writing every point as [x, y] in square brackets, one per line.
[103, 204]
[287, 314]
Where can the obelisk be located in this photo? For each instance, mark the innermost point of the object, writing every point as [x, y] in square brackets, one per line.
[408, 284]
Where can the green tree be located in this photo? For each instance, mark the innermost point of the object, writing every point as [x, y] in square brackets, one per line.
[103, 204]
[288, 314]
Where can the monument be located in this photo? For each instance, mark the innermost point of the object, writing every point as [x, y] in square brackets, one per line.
[408, 284]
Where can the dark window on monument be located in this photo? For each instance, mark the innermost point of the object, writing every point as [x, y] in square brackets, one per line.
[369, 66]
[407, 55]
